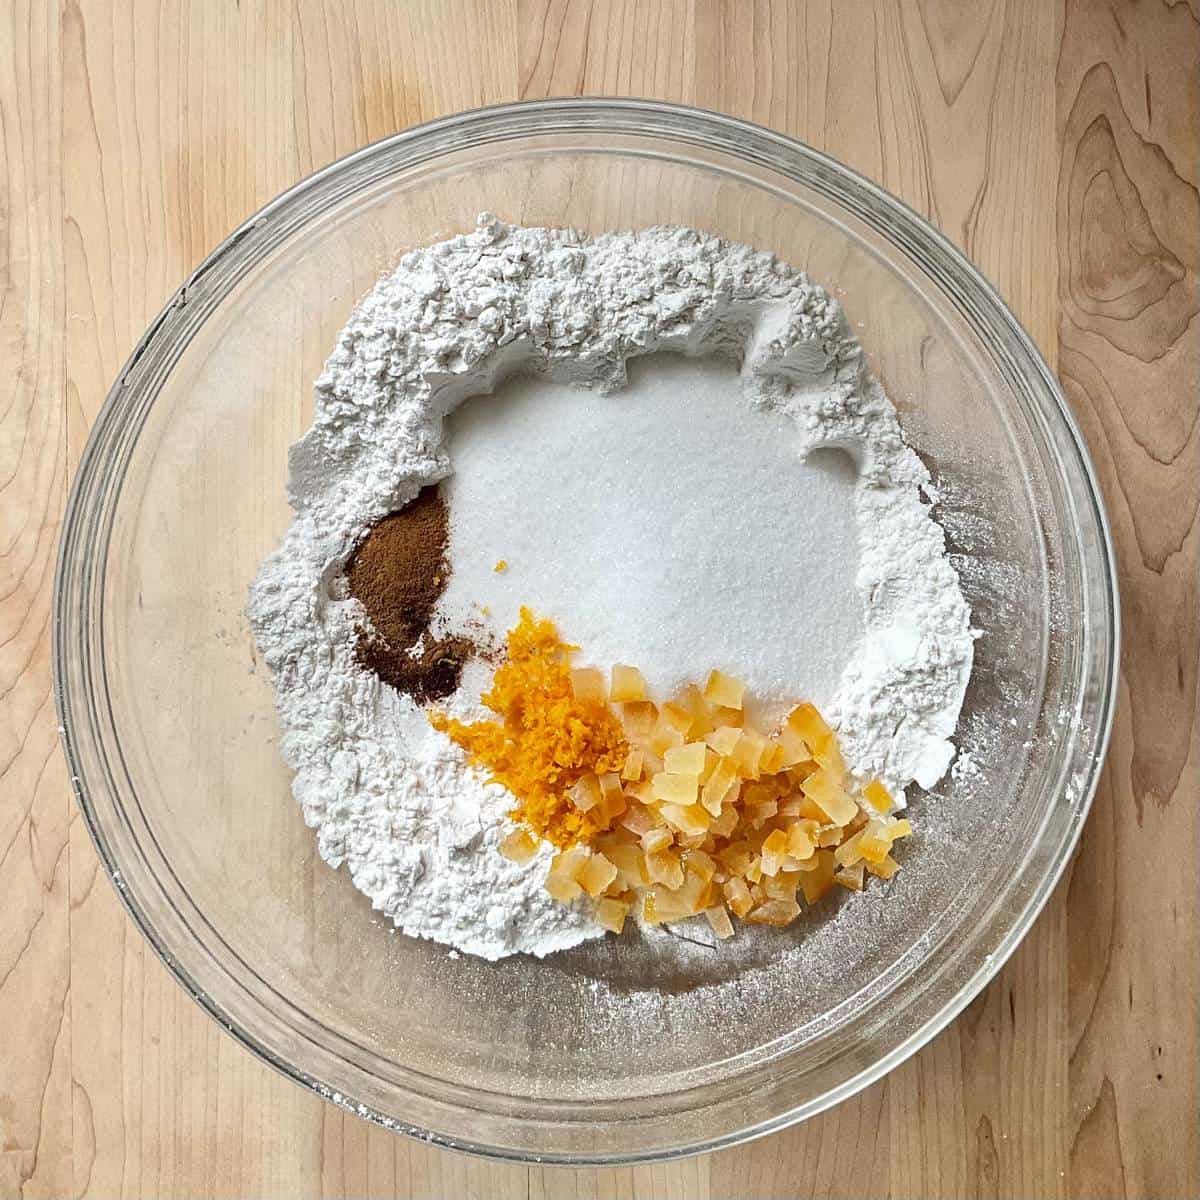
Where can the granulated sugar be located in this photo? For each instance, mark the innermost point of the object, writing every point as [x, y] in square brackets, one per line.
[396, 802]
[671, 524]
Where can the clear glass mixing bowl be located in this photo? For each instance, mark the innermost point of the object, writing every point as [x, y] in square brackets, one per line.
[620, 1050]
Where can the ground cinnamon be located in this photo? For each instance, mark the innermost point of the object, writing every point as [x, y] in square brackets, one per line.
[397, 574]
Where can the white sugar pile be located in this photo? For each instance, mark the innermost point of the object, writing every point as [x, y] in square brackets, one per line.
[671, 524]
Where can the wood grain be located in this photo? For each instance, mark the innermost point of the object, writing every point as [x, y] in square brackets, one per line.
[1056, 144]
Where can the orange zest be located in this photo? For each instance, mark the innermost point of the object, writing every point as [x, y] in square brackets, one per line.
[546, 738]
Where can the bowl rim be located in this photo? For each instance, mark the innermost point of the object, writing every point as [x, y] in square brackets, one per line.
[901, 226]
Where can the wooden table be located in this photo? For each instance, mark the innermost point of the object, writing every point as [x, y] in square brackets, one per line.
[1057, 146]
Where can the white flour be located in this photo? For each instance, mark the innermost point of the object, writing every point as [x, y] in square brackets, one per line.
[394, 800]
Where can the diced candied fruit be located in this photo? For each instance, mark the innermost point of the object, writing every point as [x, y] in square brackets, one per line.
[677, 716]
[687, 818]
[685, 760]
[774, 849]
[724, 690]
[737, 895]
[598, 872]
[639, 717]
[899, 829]
[799, 843]
[675, 789]
[885, 869]
[702, 863]
[782, 885]
[587, 684]
[519, 846]
[638, 819]
[611, 806]
[611, 914]
[720, 788]
[630, 863]
[724, 738]
[810, 725]
[563, 890]
[772, 758]
[736, 858]
[732, 717]
[568, 863]
[747, 754]
[665, 867]
[656, 839]
[627, 685]
[719, 921]
[774, 912]
[850, 877]
[827, 792]
[631, 772]
[795, 748]
[817, 882]
[585, 794]
[877, 796]
[874, 843]
[850, 851]
[663, 737]
[610, 785]
[724, 825]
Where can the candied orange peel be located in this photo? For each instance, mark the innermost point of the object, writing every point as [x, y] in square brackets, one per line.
[677, 810]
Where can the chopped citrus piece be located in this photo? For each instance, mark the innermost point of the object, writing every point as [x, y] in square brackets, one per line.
[687, 818]
[677, 717]
[899, 829]
[877, 796]
[724, 690]
[747, 754]
[501, 566]
[720, 788]
[519, 846]
[563, 890]
[724, 738]
[638, 820]
[724, 825]
[774, 912]
[675, 789]
[688, 759]
[585, 794]
[702, 863]
[728, 716]
[568, 863]
[639, 717]
[810, 725]
[631, 772]
[628, 684]
[774, 849]
[737, 895]
[799, 843]
[827, 792]
[587, 685]
[850, 877]
[664, 867]
[719, 920]
[771, 759]
[663, 737]
[611, 914]
[630, 863]
[657, 839]
[818, 881]
[885, 869]
[598, 872]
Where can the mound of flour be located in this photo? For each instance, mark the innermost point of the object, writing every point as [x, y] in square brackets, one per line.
[395, 801]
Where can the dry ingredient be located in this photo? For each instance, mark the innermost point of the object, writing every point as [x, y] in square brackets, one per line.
[688, 809]
[550, 735]
[396, 801]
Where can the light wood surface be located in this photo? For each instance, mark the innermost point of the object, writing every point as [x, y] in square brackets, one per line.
[1056, 144]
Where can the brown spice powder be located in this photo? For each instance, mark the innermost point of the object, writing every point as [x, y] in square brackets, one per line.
[397, 574]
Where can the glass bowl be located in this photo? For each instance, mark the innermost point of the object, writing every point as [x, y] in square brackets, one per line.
[620, 1050]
